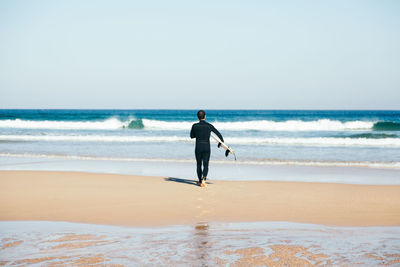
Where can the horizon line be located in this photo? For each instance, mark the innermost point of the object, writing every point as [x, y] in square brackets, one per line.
[271, 109]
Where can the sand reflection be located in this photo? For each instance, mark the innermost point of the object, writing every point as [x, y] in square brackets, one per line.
[202, 244]
[235, 244]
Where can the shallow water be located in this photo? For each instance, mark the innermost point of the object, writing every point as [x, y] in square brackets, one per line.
[218, 171]
[215, 244]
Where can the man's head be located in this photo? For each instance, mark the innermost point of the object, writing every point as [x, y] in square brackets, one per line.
[201, 114]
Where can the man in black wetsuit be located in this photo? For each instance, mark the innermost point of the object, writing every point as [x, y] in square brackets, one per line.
[201, 131]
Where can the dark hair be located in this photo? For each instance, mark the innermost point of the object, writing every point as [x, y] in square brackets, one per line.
[201, 114]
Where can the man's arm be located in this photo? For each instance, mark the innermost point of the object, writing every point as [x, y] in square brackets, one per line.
[192, 133]
[216, 132]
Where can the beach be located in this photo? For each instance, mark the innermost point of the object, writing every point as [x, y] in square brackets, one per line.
[75, 218]
[151, 201]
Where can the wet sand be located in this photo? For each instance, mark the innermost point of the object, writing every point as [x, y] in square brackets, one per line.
[215, 244]
[154, 201]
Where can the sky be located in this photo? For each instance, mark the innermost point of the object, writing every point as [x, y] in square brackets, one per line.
[200, 54]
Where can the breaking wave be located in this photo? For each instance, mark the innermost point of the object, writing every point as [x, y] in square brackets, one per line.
[260, 125]
[313, 141]
[109, 124]
[93, 138]
[266, 125]
[386, 126]
[135, 124]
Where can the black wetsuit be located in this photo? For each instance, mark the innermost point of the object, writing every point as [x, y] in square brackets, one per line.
[201, 131]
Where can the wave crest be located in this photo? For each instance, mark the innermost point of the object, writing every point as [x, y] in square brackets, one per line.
[266, 125]
[108, 124]
[297, 125]
[135, 124]
[386, 126]
[259, 125]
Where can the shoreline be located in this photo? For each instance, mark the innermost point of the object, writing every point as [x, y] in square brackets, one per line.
[227, 244]
[222, 172]
[130, 200]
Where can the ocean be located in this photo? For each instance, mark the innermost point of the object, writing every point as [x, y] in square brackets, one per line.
[350, 138]
[361, 147]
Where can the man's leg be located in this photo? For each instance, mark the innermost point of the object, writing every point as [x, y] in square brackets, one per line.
[198, 162]
[206, 159]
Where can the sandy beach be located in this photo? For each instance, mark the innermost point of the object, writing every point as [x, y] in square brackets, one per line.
[76, 218]
[156, 201]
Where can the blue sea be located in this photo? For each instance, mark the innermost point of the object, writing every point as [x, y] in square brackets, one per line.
[260, 138]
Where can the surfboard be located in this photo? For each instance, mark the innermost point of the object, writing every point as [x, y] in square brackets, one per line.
[227, 148]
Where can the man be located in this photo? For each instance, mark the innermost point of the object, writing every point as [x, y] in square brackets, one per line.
[201, 131]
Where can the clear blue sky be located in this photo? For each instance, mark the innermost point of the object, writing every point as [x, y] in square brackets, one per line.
[200, 54]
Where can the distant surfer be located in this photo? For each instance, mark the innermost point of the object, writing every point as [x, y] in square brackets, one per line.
[201, 131]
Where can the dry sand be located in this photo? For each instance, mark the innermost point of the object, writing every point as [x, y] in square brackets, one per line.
[151, 201]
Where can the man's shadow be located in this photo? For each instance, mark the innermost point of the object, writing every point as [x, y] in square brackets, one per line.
[183, 181]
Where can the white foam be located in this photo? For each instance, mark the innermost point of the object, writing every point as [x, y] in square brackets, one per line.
[94, 138]
[318, 141]
[296, 125]
[266, 125]
[276, 162]
[260, 125]
[167, 125]
[312, 141]
[109, 124]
